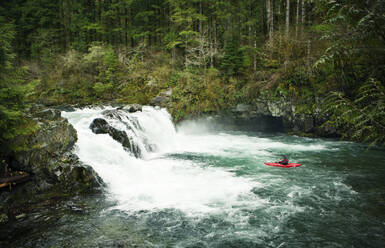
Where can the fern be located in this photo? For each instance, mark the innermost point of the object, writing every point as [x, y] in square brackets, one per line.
[361, 119]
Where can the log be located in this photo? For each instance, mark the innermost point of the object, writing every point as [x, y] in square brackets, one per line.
[17, 177]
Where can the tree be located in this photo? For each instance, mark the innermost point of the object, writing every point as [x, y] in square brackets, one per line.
[232, 60]
[270, 18]
[13, 123]
[7, 34]
[287, 17]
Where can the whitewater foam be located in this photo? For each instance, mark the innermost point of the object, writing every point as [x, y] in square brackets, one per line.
[156, 181]
[159, 181]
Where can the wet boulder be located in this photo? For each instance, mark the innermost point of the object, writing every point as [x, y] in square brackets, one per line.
[111, 113]
[101, 126]
[132, 108]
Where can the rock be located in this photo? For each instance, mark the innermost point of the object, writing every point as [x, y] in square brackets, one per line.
[52, 166]
[261, 107]
[242, 108]
[162, 99]
[308, 123]
[287, 111]
[167, 93]
[115, 105]
[101, 126]
[54, 171]
[52, 139]
[74, 208]
[112, 113]
[49, 114]
[120, 136]
[132, 108]
[66, 108]
[276, 108]
[159, 101]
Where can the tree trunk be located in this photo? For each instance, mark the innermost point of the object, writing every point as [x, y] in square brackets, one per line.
[215, 35]
[297, 20]
[200, 34]
[239, 22]
[173, 53]
[200, 20]
[272, 18]
[287, 17]
[62, 26]
[249, 35]
[309, 41]
[211, 42]
[255, 51]
[67, 12]
[99, 19]
[125, 28]
[269, 18]
[303, 16]
[119, 23]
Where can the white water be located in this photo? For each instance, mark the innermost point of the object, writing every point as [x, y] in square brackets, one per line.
[159, 181]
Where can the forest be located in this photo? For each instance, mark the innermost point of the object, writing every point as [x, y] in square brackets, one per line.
[325, 55]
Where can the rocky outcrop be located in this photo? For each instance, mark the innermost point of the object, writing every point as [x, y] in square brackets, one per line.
[48, 159]
[132, 108]
[292, 120]
[159, 101]
[162, 99]
[101, 126]
[116, 113]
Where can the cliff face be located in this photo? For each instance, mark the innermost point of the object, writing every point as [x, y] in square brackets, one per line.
[49, 160]
[293, 121]
[268, 114]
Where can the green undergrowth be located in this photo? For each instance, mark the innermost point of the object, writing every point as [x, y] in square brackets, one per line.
[104, 74]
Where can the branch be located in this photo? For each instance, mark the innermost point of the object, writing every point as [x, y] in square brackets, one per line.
[380, 125]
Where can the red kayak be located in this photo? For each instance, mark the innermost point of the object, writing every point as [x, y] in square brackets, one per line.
[281, 165]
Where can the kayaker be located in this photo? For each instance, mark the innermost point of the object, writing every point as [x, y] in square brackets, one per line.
[284, 160]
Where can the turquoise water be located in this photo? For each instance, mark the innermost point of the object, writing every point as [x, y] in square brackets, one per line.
[211, 189]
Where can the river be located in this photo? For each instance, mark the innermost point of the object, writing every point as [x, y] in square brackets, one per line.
[198, 185]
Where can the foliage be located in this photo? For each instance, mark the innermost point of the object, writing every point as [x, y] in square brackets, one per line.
[362, 119]
[213, 54]
[197, 94]
[232, 61]
[13, 122]
[7, 34]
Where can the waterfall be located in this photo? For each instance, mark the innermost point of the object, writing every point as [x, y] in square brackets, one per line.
[156, 179]
[147, 131]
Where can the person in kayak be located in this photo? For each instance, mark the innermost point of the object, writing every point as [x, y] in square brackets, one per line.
[284, 160]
